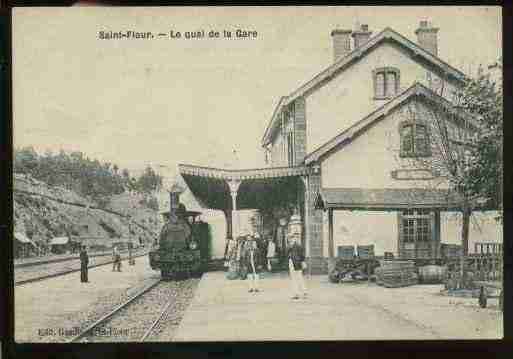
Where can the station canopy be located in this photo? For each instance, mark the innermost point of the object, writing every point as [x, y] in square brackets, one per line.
[259, 188]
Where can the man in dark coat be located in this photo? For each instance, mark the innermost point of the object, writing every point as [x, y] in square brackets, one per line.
[84, 262]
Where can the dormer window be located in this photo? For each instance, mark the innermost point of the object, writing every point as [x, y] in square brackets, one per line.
[414, 140]
[386, 82]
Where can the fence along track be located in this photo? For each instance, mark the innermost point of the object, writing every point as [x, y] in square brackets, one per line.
[109, 315]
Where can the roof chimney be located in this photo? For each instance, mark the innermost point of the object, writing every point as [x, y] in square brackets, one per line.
[427, 37]
[361, 35]
[341, 43]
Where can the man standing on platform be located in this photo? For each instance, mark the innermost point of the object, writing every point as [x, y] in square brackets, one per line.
[84, 262]
[296, 258]
[116, 266]
[270, 253]
[250, 257]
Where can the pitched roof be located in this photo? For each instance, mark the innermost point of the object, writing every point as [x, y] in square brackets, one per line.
[417, 89]
[241, 174]
[383, 198]
[327, 74]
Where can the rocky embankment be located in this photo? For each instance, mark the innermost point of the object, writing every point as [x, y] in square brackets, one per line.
[42, 212]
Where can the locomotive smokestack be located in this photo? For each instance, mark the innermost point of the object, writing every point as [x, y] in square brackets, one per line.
[174, 200]
[174, 197]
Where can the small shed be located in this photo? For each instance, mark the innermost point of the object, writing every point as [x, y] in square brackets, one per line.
[95, 243]
[24, 246]
[123, 243]
[60, 245]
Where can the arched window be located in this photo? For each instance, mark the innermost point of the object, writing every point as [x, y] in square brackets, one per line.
[386, 82]
[414, 139]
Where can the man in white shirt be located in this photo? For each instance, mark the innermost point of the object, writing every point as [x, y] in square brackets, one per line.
[271, 252]
[296, 258]
[251, 263]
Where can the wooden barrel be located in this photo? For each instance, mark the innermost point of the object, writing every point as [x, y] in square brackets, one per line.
[432, 274]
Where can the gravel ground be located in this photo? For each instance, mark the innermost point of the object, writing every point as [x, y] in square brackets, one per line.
[56, 309]
[131, 322]
[78, 321]
[166, 329]
[41, 270]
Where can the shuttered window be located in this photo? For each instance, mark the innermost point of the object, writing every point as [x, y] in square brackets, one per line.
[386, 82]
[414, 140]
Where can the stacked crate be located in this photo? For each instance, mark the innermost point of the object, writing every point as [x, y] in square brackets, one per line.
[345, 252]
[366, 252]
[393, 274]
[451, 250]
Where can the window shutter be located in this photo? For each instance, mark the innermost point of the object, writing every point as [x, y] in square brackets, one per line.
[406, 145]
[399, 234]
[390, 84]
[421, 140]
[432, 240]
[380, 85]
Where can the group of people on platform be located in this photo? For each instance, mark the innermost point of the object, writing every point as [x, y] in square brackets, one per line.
[116, 262]
[251, 254]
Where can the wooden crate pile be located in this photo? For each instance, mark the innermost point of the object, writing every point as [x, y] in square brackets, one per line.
[393, 274]
[450, 250]
[345, 252]
[366, 252]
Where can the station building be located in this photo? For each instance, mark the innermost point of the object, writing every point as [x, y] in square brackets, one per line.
[356, 152]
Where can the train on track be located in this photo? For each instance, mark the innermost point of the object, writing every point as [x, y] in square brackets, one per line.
[182, 250]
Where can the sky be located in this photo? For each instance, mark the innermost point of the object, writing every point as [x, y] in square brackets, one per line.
[161, 102]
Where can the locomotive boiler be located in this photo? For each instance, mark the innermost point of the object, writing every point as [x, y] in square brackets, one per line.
[180, 251]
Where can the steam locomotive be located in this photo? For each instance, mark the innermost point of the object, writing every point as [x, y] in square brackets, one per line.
[182, 248]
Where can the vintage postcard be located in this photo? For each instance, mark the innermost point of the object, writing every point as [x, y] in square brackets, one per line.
[257, 174]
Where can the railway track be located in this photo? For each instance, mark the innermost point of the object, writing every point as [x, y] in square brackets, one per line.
[142, 316]
[156, 322]
[105, 318]
[60, 273]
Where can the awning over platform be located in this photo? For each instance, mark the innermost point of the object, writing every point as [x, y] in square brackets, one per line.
[255, 188]
[242, 174]
[385, 198]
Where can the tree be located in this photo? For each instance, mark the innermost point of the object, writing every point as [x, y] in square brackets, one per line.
[73, 171]
[25, 160]
[149, 181]
[476, 163]
[466, 136]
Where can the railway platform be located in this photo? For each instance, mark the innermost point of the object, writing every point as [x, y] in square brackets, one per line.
[223, 310]
[50, 310]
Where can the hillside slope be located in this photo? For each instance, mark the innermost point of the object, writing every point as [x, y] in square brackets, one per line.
[42, 212]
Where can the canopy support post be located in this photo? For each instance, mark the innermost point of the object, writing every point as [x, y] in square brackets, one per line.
[331, 245]
[306, 220]
[228, 217]
[234, 188]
